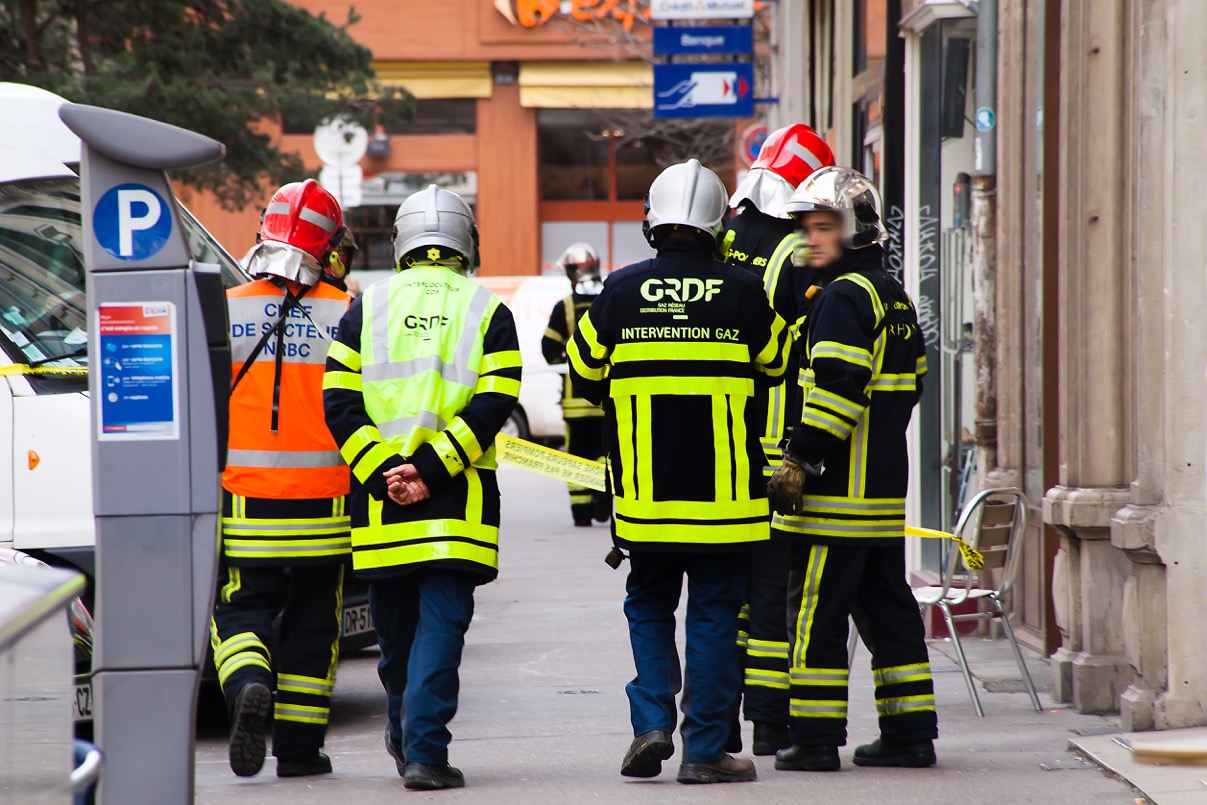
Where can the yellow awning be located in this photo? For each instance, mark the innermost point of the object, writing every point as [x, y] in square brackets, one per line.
[587, 85]
[430, 79]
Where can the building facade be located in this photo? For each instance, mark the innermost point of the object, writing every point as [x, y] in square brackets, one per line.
[539, 113]
[1070, 299]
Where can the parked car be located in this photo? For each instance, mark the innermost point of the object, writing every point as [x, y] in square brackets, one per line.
[45, 418]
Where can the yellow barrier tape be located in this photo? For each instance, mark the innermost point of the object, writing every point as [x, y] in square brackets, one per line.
[25, 369]
[592, 475]
[550, 462]
[973, 559]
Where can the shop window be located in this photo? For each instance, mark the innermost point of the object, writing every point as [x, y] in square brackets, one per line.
[574, 156]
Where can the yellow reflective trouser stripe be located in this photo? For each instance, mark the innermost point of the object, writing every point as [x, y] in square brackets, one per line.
[694, 510]
[842, 352]
[348, 381]
[235, 644]
[743, 624]
[303, 713]
[498, 385]
[900, 705]
[722, 452]
[808, 603]
[345, 354]
[824, 677]
[506, 359]
[918, 672]
[766, 679]
[373, 459]
[305, 684]
[767, 648]
[637, 386]
[817, 708]
[233, 583]
[364, 436]
[704, 533]
[241, 661]
[680, 351]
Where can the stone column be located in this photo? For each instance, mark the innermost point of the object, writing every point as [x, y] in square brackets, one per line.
[1091, 669]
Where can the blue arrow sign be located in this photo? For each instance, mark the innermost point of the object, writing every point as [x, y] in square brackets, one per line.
[704, 90]
[720, 40]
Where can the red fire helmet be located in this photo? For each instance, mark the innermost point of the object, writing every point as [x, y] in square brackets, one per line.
[788, 156]
[305, 216]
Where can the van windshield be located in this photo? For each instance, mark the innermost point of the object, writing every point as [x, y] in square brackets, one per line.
[43, 307]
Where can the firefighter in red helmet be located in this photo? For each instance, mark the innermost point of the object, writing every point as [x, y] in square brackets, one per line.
[762, 238]
[284, 490]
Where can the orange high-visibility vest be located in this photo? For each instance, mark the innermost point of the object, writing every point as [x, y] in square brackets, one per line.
[299, 460]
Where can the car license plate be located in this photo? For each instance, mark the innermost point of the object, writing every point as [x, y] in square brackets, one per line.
[357, 620]
[81, 708]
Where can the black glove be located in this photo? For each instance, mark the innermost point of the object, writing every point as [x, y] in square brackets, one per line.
[786, 489]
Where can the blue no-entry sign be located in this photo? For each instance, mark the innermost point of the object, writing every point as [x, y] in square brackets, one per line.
[704, 90]
[719, 40]
[132, 222]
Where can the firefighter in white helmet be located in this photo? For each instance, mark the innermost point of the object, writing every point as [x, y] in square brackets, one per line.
[674, 348]
[584, 419]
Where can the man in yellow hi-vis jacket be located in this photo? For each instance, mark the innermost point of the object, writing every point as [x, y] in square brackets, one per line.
[423, 373]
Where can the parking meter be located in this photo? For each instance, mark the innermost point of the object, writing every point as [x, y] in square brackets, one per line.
[159, 379]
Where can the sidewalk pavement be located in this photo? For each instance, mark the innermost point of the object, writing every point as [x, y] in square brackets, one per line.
[1161, 784]
[544, 718]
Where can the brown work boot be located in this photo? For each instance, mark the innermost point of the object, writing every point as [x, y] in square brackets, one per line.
[728, 769]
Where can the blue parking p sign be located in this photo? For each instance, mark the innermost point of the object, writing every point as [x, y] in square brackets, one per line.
[132, 222]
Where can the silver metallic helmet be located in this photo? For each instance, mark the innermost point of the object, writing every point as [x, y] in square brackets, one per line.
[849, 194]
[687, 194]
[272, 258]
[580, 262]
[437, 225]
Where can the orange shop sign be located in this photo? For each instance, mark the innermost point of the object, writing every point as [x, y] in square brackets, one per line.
[535, 13]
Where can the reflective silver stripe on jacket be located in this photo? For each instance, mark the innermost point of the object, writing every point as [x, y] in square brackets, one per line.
[284, 459]
[404, 425]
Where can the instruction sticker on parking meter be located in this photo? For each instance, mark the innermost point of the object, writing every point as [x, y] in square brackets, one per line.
[138, 378]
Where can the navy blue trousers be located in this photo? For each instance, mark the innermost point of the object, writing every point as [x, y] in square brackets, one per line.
[716, 588]
[421, 620]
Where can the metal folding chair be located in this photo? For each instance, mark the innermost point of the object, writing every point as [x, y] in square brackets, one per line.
[993, 523]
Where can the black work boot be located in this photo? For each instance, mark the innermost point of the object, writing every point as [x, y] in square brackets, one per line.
[400, 761]
[646, 753]
[251, 722]
[319, 764]
[910, 755]
[799, 757]
[430, 777]
[727, 769]
[770, 738]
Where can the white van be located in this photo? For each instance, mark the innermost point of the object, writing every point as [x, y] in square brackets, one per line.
[45, 435]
